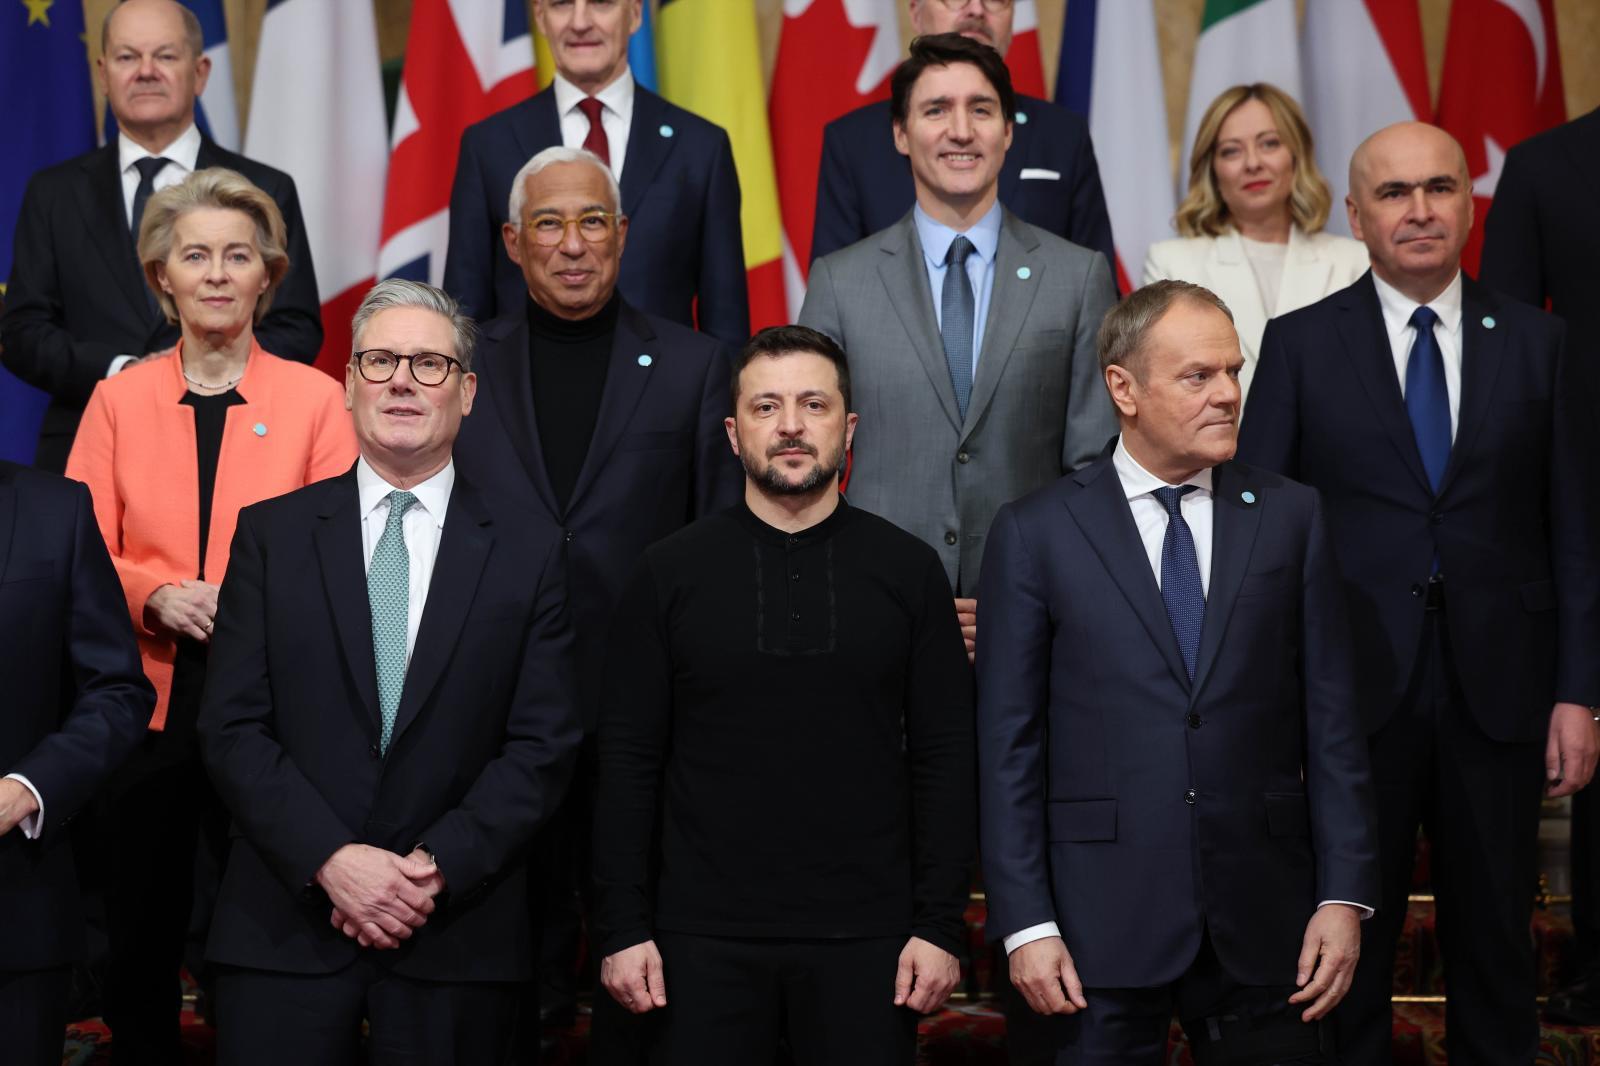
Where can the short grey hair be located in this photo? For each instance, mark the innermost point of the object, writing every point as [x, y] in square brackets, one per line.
[391, 293]
[1127, 325]
[549, 158]
[192, 33]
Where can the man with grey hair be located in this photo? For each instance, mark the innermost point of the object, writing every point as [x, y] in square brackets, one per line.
[389, 717]
[1175, 805]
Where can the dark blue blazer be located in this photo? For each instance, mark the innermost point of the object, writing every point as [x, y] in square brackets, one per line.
[76, 699]
[865, 183]
[1515, 526]
[482, 748]
[658, 460]
[684, 257]
[1137, 809]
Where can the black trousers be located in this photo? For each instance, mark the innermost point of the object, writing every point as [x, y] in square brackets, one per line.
[1227, 1024]
[1478, 801]
[731, 1002]
[1586, 881]
[269, 1019]
[33, 1015]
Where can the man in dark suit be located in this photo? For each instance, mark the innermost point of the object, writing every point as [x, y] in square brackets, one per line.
[1050, 178]
[77, 308]
[1447, 429]
[1539, 246]
[1176, 808]
[389, 717]
[603, 422]
[77, 703]
[685, 253]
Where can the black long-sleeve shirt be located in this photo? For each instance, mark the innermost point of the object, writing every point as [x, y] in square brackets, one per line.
[793, 713]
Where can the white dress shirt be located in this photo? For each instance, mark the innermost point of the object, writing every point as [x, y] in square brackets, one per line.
[422, 526]
[936, 239]
[616, 115]
[1397, 310]
[34, 822]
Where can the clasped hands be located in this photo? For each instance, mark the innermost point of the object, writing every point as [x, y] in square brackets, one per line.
[186, 609]
[380, 898]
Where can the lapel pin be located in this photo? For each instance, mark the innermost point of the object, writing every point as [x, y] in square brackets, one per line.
[1247, 496]
[666, 131]
[1024, 273]
[645, 360]
[1022, 118]
[1488, 322]
[259, 429]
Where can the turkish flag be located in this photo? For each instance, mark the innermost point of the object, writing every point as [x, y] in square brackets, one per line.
[1501, 85]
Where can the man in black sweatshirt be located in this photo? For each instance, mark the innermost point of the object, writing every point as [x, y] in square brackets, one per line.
[785, 813]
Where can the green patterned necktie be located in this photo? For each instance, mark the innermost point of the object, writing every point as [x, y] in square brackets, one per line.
[389, 592]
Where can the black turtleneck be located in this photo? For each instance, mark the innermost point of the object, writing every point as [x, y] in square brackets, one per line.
[568, 361]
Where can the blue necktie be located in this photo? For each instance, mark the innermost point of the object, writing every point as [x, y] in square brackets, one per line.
[389, 593]
[956, 320]
[1181, 589]
[1427, 401]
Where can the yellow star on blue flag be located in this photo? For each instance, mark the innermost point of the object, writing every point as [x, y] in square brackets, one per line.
[38, 11]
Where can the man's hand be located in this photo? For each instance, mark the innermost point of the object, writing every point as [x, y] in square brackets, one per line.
[967, 615]
[926, 976]
[1327, 959]
[377, 895]
[1043, 972]
[182, 610]
[16, 803]
[1569, 754]
[634, 977]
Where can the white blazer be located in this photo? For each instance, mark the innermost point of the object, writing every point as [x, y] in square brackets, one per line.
[1316, 265]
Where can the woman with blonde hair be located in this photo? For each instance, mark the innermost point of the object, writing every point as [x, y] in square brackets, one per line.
[1251, 224]
[171, 449]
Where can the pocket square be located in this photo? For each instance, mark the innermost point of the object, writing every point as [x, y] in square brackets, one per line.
[1040, 174]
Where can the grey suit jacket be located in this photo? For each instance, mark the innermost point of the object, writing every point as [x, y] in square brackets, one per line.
[1038, 407]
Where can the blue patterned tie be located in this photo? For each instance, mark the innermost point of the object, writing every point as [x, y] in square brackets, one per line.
[956, 311]
[389, 593]
[1181, 589]
[1427, 401]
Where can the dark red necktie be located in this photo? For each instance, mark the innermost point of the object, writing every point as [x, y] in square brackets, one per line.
[596, 141]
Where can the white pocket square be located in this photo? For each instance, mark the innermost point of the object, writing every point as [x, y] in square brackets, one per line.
[1040, 174]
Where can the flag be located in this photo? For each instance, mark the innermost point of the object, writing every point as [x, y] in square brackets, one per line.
[464, 62]
[710, 56]
[1023, 59]
[858, 39]
[216, 112]
[316, 112]
[1501, 85]
[1364, 69]
[642, 51]
[44, 69]
[1110, 73]
[1241, 41]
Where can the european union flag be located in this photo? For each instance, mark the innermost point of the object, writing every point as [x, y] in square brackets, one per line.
[44, 75]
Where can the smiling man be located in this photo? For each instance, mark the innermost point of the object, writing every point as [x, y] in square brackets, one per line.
[970, 332]
[785, 811]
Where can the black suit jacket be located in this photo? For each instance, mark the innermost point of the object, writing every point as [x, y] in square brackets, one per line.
[289, 727]
[1514, 526]
[76, 699]
[684, 258]
[658, 460]
[865, 183]
[77, 298]
[1136, 808]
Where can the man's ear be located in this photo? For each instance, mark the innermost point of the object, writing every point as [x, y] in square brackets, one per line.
[1120, 383]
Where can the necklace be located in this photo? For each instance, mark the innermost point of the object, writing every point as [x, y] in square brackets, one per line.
[208, 385]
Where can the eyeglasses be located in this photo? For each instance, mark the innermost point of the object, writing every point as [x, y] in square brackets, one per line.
[551, 229]
[991, 6]
[378, 365]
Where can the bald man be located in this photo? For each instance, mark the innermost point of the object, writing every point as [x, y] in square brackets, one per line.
[1445, 426]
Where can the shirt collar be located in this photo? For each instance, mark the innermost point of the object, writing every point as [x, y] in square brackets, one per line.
[1398, 307]
[936, 236]
[1137, 481]
[433, 495]
[184, 151]
[617, 97]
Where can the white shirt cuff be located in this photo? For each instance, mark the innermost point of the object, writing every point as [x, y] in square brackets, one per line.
[1030, 934]
[33, 823]
[118, 363]
[1366, 911]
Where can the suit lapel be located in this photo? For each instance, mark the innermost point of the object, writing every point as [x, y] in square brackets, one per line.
[100, 202]
[1233, 534]
[1366, 341]
[1101, 511]
[905, 277]
[648, 146]
[1482, 354]
[1305, 275]
[1009, 302]
[536, 126]
[510, 381]
[338, 541]
[464, 545]
[626, 380]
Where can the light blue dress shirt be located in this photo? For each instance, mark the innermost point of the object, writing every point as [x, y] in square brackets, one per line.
[985, 238]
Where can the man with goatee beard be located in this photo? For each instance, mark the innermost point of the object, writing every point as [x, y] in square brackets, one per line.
[784, 818]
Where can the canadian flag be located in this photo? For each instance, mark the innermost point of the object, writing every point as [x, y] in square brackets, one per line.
[1501, 85]
[859, 37]
[1024, 60]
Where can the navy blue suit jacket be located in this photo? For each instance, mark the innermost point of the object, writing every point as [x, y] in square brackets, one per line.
[659, 459]
[1515, 526]
[684, 258]
[865, 183]
[76, 699]
[1136, 808]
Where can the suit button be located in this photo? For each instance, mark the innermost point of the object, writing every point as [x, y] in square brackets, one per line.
[963, 457]
[795, 617]
[950, 538]
[1193, 720]
[570, 535]
[1437, 518]
[374, 752]
[795, 576]
[1189, 795]
[1417, 591]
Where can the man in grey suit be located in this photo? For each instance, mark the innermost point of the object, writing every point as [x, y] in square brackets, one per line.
[971, 334]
